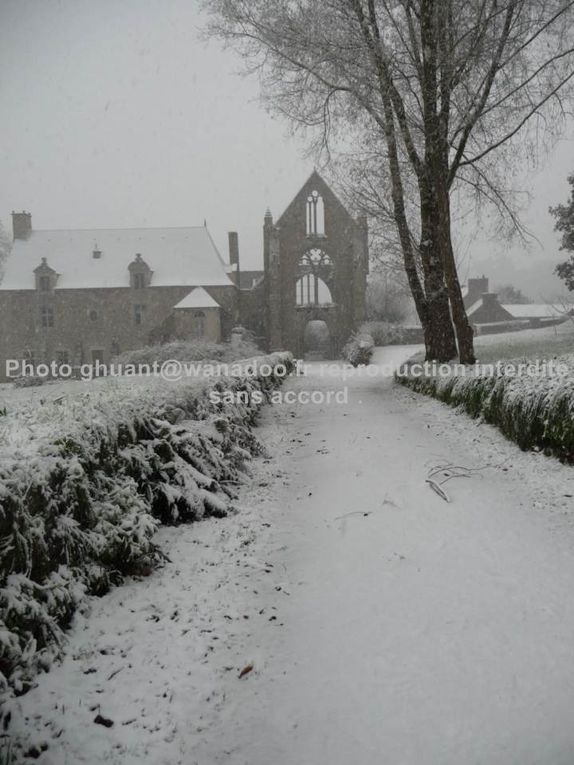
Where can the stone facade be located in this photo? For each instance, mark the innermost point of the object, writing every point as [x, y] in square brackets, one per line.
[315, 269]
[84, 325]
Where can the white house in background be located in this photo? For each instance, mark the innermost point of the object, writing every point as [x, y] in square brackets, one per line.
[484, 308]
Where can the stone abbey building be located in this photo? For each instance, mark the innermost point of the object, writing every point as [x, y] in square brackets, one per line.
[82, 296]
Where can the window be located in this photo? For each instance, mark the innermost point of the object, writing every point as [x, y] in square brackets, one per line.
[198, 324]
[93, 314]
[315, 269]
[315, 260]
[312, 290]
[30, 357]
[140, 273]
[62, 358]
[47, 316]
[139, 311]
[139, 281]
[315, 215]
[45, 277]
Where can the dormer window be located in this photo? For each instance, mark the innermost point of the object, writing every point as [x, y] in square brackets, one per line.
[140, 273]
[45, 276]
[139, 281]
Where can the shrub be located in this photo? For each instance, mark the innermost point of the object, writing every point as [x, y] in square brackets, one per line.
[359, 349]
[192, 350]
[384, 333]
[85, 484]
[536, 410]
[29, 381]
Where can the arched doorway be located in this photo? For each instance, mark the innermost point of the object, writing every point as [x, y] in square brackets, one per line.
[316, 340]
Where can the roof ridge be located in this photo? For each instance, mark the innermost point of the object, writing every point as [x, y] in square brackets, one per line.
[126, 228]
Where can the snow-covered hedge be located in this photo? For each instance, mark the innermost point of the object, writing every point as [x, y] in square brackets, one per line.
[536, 410]
[385, 333]
[86, 481]
[191, 350]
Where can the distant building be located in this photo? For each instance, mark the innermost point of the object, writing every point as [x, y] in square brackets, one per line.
[316, 262]
[487, 310]
[82, 296]
[540, 312]
[484, 308]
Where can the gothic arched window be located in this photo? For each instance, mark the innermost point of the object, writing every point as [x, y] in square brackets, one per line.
[315, 260]
[315, 215]
[315, 268]
[312, 290]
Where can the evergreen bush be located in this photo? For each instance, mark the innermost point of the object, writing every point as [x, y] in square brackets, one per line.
[535, 410]
[85, 484]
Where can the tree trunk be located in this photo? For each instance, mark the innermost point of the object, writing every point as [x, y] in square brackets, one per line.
[464, 331]
[431, 301]
[441, 342]
[439, 338]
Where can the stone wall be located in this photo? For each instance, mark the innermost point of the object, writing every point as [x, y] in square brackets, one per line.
[102, 321]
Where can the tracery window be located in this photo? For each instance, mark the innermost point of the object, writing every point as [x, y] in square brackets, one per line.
[315, 268]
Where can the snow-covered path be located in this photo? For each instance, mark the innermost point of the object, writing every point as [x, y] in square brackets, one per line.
[385, 625]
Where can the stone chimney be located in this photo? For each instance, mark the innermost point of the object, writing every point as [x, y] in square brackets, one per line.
[476, 289]
[233, 248]
[489, 299]
[21, 224]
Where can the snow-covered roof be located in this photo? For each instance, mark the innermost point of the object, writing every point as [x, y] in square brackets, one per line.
[176, 257]
[197, 298]
[538, 310]
[474, 307]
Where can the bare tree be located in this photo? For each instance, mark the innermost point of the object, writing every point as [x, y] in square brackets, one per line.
[387, 299]
[508, 294]
[441, 93]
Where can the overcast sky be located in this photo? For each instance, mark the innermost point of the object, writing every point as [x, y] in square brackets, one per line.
[115, 114]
